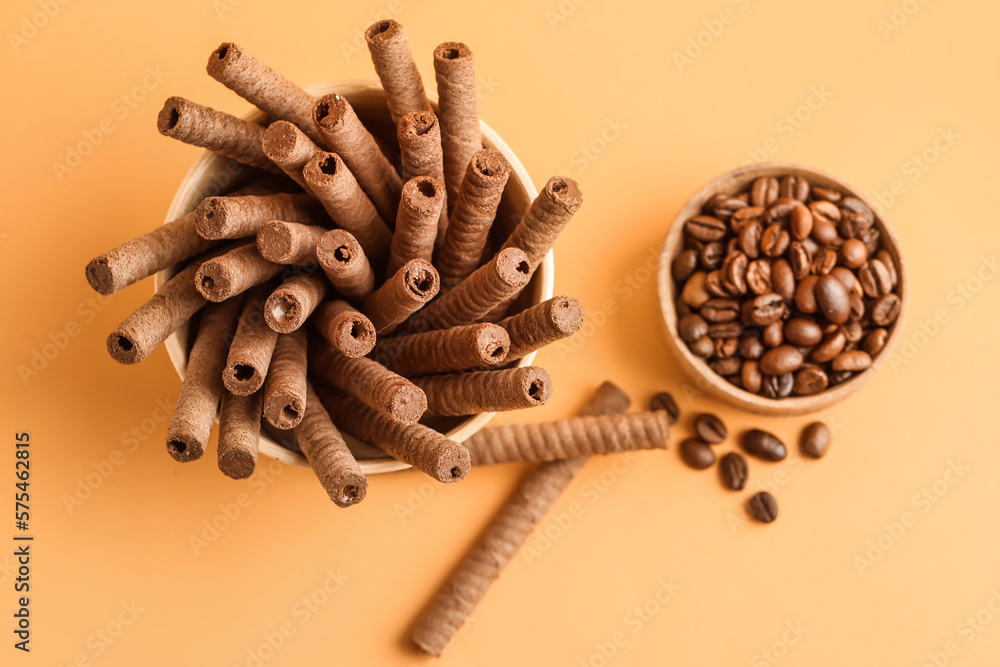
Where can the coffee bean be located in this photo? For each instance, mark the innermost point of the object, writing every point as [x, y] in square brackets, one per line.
[890, 265]
[751, 376]
[764, 191]
[749, 239]
[768, 308]
[824, 261]
[773, 335]
[710, 428]
[726, 207]
[799, 260]
[805, 296]
[824, 232]
[764, 445]
[726, 347]
[810, 380]
[727, 366]
[853, 225]
[783, 278]
[850, 281]
[774, 241]
[705, 228]
[826, 194]
[780, 210]
[694, 292]
[720, 310]
[839, 377]
[782, 359]
[855, 360]
[868, 280]
[746, 216]
[692, 327]
[832, 299]
[684, 265]
[816, 439]
[825, 211]
[802, 331]
[853, 253]
[704, 347]
[759, 276]
[855, 205]
[697, 454]
[665, 401]
[715, 283]
[853, 331]
[711, 255]
[794, 187]
[725, 330]
[734, 471]
[801, 222]
[751, 346]
[734, 270]
[763, 507]
[883, 279]
[875, 341]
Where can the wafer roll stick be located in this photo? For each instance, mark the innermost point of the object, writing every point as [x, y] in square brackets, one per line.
[328, 454]
[257, 83]
[404, 90]
[527, 506]
[545, 219]
[419, 136]
[370, 382]
[343, 134]
[485, 289]
[541, 325]
[406, 292]
[472, 215]
[334, 185]
[458, 112]
[290, 148]
[576, 436]
[237, 217]
[454, 394]
[416, 222]
[289, 242]
[472, 346]
[347, 330]
[252, 346]
[344, 263]
[234, 273]
[423, 448]
[223, 133]
[198, 400]
[239, 433]
[285, 386]
[294, 301]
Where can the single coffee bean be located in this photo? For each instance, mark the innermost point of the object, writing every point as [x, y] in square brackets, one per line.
[774, 241]
[816, 439]
[857, 307]
[665, 401]
[777, 386]
[694, 293]
[890, 265]
[826, 194]
[764, 191]
[681, 308]
[749, 239]
[692, 327]
[799, 260]
[735, 271]
[773, 335]
[714, 201]
[684, 265]
[697, 454]
[824, 261]
[780, 210]
[875, 341]
[751, 376]
[850, 281]
[832, 299]
[853, 331]
[746, 216]
[794, 187]
[726, 347]
[853, 253]
[805, 296]
[720, 310]
[734, 471]
[855, 360]
[768, 308]
[704, 347]
[802, 331]
[810, 380]
[711, 255]
[710, 428]
[783, 278]
[853, 225]
[780, 360]
[715, 283]
[763, 507]
[705, 228]
[725, 208]
[839, 377]
[801, 222]
[725, 330]
[751, 347]
[869, 281]
[886, 309]
[825, 211]
[759, 276]
[855, 205]
[824, 232]
[764, 445]
[727, 366]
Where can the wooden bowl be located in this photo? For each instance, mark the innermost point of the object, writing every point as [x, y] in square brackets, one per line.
[708, 380]
[209, 174]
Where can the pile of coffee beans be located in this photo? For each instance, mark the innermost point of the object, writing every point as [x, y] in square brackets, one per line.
[785, 289]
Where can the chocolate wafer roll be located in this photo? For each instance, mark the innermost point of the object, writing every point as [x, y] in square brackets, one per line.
[454, 394]
[535, 327]
[406, 292]
[239, 433]
[347, 330]
[576, 436]
[234, 273]
[459, 348]
[416, 222]
[260, 85]
[334, 464]
[289, 242]
[545, 219]
[252, 346]
[527, 506]
[198, 400]
[458, 112]
[485, 289]
[290, 148]
[423, 448]
[285, 386]
[294, 301]
[419, 136]
[343, 133]
[333, 183]
[371, 382]
[404, 90]
[344, 263]
[220, 132]
[241, 216]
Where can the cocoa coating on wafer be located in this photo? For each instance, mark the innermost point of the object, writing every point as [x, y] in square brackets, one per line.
[548, 214]
[458, 112]
[234, 273]
[576, 436]
[345, 328]
[369, 381]
[419, 136]
[240, 216]
[459, 348]
[540, 325]
[404, 90]
[343, 133]
[454, 394]
[509, 530]
[294, 301]
[345, 264]
[285, 386]
[406, 292]
[416, 222]
[423, 448]
[252, 346]
[472, 216]
[323, 445]
[239, 433]
[289, 242]
[290, 148]
[198, 400]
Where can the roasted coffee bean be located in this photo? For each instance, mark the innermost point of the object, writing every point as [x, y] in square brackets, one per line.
[720, 310]
[681, 308]
[853, 225]
[684, 265]
[832, 299]
[768, 308]
[735, 380]
[853, 253]
[868, 280]
[883, 279]
[857, 307]
[726, 347]
[802, 331]
[746, 312]
[799, 260]
[824, 261]
[697, 454]
[852, 332]
[718, 330]
[749, 239]
[751, 376]
[780, 360]
[855, 360]
[734, 471]
[783, 278]
[732, 245]
[715, 283]
[665, 401]
[763, 507]
[746, 216]
[816, 439]
[714, 201]
[711, 255]
[774, 241]
[751, 346]
[780, 210]
[705, 228]
[710, 428]
[727, 366]
[855, 205]
[776, 386]
[805, 296]
[726, 207]
[825, 211]
[794, 187]
[764, 445]
[850, 281]
[826, 194]
[839, 377]
[734, 269]
[871, 239]
[704, 347]
[694, 293]
[890, 265]
[886, 309]
[759, 276]
[692, 327]
[764, 191]
[810, 380]
[774, 334]
[824, 232]
[801, 222]
[875, 341]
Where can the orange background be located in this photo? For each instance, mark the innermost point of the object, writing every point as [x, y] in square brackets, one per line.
[860, 568]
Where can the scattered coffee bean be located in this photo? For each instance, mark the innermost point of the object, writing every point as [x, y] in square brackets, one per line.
[815, 440]
[764, 445]
[664, 401]
[710, 428]
[734, 470]
[697, 454]
[763, 507]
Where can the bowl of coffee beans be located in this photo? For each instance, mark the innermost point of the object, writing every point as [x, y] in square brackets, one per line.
[782, 288]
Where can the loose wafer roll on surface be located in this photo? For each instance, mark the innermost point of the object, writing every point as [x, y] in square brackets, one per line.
[416, 222]
[290, 148]
[419, 135]
[252, 346]
[292, 302]
[239, 433]
[289, 242]
[423, 448]
[234, 272]
[328, 454]
[541, 224]
[509, 530]
[406, 292]
[458, 112]
[342, 133]
[198, 400]
[345, 264]
[285, 386]
[478, 345]
[404, 90]
[236, 217]
[454, 394]
[540, 325]
[345, 328]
